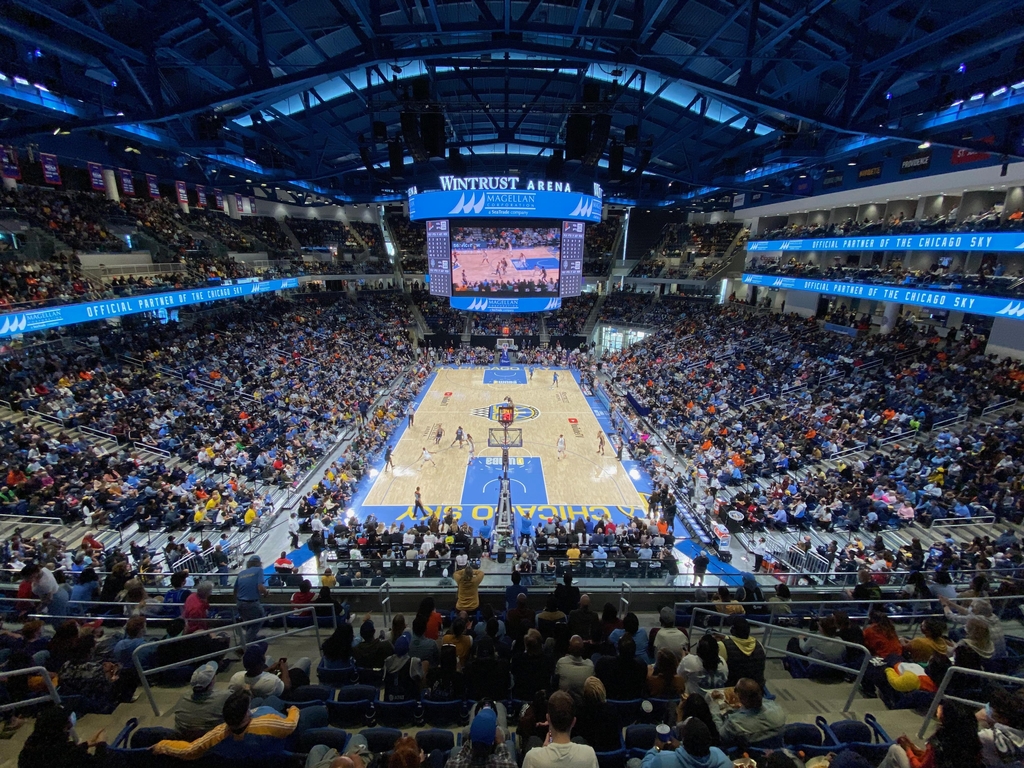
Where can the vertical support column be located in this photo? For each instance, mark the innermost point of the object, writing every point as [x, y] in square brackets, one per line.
[890, 312]
[110, 182]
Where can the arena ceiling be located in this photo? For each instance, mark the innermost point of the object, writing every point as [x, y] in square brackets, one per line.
[693, 93]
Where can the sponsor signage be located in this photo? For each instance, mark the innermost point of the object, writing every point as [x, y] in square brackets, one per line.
[488, 304]
[832, 180]
[51, 170]
[508, 203]
[9, 163]
[955, 241]
[200, 196]
[964, 156]
[739, 200]
[127, 183]
[919, 161]
[152, 186]
[96, 176]
[182, 192]
[993, 306]
[869, 172]
[71, 314]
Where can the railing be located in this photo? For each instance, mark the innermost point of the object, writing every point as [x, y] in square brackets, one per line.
[135, 269]
[941, 694]
[384, 595]
[1002, 404]
[47, 417]
[154, 449]
[51, 695]
[236, 646]
[98, 433]
[770, 629]
[625, 593]
[952, 522]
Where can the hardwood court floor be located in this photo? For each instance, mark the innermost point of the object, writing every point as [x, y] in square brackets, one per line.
[460, 397]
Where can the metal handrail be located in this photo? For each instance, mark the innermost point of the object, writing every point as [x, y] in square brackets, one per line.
[143, 673]
[941, 693]
[625, 593]
[770, 628]
[384, 595]
[52, 696]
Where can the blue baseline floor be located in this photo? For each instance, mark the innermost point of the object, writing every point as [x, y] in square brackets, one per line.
[512, 375]
[525, 472]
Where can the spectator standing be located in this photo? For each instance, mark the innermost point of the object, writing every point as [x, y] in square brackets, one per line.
[624, 675]
[249, 589]
[743, 654]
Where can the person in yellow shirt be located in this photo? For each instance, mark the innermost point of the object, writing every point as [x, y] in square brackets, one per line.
[328, 579]
[573, 553]
[199, 516]
[250, 516]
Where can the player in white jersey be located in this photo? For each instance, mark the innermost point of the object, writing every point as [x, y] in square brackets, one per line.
[425, 457]
[560, 445]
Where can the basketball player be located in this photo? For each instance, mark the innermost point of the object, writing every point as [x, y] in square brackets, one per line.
[485, 259]
[438, 435]
[554, 381]
[388, 460]
[531, 373]
[560, 445]
[600, 442]
[425, 457]
[418, 505]
[472, 449]
[459, 436]
[465, 282]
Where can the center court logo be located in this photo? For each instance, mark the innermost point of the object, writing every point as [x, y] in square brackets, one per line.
[523, 412]
[472, 206]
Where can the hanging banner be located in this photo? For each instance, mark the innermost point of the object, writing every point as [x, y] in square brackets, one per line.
[252, 205]
[201, 195]
[51, 171]
[96, 176]
[10, 167]
[182, 192]
[154, 188]
[962, 156]
[127, 183]
[219, 197]
[919, 161]
[239, 204]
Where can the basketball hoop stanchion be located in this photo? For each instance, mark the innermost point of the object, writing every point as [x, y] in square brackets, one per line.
[504, 540]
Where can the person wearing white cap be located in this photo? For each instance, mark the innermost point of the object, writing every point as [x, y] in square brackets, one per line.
[199, 711]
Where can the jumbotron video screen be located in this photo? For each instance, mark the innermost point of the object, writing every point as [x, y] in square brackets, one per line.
[514, 260]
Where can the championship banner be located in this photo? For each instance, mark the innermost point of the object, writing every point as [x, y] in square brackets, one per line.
[9, 166]
[219, 197]
[252, 205]
[239, 204]
[154, 188]
[51, 170]
[127, 183]
[182, 192]
[201, 193]
[96, 176]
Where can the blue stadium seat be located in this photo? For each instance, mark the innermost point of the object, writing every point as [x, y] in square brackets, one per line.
[381, 739]
[866, 738]
[629, 710]
[640, 738]
[442, 714]
[396, 714]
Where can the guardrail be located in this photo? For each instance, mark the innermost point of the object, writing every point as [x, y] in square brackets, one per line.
[52, 694]
[154, 449]
[98, 433]
[770, 629]
[941, 694]
[1001, 405]
[236, 646]
[135, 269]
[47, 417]
[625, 593]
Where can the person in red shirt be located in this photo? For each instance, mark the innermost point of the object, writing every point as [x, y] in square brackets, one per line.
[283, 564]
[304, 596]
[197, 608]
[880, 636]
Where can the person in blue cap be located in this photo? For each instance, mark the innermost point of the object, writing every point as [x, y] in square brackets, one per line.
[486, 746]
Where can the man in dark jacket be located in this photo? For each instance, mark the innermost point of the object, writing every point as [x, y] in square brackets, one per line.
[623, 675]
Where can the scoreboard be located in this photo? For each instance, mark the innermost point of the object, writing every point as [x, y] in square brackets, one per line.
[571, 265]
[439, 254]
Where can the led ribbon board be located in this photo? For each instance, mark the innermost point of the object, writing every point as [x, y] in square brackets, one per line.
[946, 241]
[505, 204]
[72, 314]
[994, 306]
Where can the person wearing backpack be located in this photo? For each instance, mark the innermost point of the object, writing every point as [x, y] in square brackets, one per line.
[403, 674]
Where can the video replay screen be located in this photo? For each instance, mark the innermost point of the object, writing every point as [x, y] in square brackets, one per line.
[520, 259]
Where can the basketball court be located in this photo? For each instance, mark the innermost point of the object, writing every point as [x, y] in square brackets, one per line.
[584, 483]
[485, 264]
